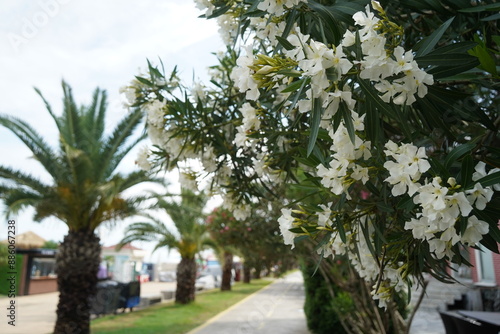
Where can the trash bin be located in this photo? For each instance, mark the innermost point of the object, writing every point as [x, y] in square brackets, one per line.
[130, 295]
[106, 299]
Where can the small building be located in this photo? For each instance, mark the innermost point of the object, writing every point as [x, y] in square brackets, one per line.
[124, 265]
[36, 265]
[482, 279]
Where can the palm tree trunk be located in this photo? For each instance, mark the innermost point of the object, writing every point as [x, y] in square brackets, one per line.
[77, 264]
[226, 271]
[186, 278]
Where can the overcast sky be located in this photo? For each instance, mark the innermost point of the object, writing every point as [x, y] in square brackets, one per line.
[88, 44]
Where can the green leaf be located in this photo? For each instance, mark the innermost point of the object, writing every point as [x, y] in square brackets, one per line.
[346, 116]
[493, 17]
[459, 47]
[445, 72]
[330, 18]
[144, 81]
[406, 203]
[490, 180]
[372, 123]
[445, 60]
[384, 207]
[372, 95]
[290, 73]
[285, 43]
[456, 153]
[496, 39]
[432, 114]
[486, 61]
[438, 169]
[294, 86]
[219, 11]
[297, 96]
[490, 7]
[366, 234]
[300, 238]
[372, 188]
[490, 243]
[315, 122]
[427, 44]
[340, 229]
[466, 171]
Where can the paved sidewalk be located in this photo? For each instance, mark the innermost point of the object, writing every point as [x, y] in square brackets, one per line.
[36, 314]
[276, 309]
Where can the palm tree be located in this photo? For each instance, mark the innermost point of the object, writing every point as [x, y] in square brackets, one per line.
[189, 239]
[84, 191]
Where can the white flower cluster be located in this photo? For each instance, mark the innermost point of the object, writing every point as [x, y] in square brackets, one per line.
[343, 169]
[266, 30]
[242, 75]
[286, 223]
[250, 123]
[441, 206]
[357, 250]
[398, 78]
[142, 158]
[410, 163]
[395, 73]
[278, 7]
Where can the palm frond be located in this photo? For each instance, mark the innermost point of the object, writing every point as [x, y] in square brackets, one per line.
[118, 157]
[37, 145]
[21, 179]
[118, 138]
[49, 109]
[17, 199]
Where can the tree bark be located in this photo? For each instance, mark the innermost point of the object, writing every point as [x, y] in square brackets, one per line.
[77, 263]
[186, 279]
[226, 271]
[246, 273]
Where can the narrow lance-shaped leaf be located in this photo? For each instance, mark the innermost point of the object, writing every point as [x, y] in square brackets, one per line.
[315, 122]
[427, 44]
[456, 153]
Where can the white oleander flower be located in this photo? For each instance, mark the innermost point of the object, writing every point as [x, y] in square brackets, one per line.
[431, 198]
[479, 196]
[205, 5]
[242, 212]
[475, 230]
[155, 113]
[187, 179]
[480, 172]
[411, 162]
[250, 119]
[439, 248]
[456, 204]
[360, 173]
[298, 40]
[228, 28]
[420, 228]
[209, 160]
[286, 223]
[243, 75]
[198, 92]
[130, 94]
[142, 158]
[324, 215]
[277, 7]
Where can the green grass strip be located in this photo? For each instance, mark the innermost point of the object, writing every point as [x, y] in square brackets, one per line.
[176, 319]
